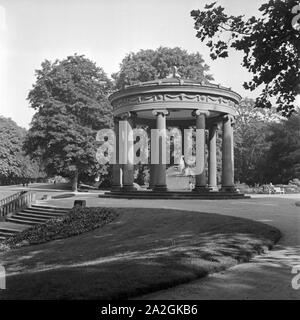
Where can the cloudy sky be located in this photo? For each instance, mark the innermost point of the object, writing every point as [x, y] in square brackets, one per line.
[103, 30]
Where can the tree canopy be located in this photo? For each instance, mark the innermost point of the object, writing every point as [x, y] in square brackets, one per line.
[10, 149]
[270, 47]
[146, 65]
[266, 145]
[70, 97]
[282, 162]
[250, 147]
[14, 165]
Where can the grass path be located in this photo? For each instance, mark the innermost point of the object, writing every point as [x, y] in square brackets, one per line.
[144, 250]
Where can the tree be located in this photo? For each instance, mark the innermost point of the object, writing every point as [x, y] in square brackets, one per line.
[31, 169]
[10, 148]
[146, 65]
[70, 97]
[283, 158]
[267, 146]
[251, 146]
[14, 165]
[270, 45]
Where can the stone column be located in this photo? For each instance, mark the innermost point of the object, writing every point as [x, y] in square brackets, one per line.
[116, 168]
[200, 185]
[152, 176]
[182, 139]
[227, 155]
[128, 166]
[212, 156]
[151, 166]
[160, 179]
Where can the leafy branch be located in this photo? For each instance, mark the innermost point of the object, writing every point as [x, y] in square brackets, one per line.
[270, 46]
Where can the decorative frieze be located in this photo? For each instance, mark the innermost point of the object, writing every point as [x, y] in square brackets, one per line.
[146, 98]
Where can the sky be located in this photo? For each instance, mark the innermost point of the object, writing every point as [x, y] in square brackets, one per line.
[104, 31]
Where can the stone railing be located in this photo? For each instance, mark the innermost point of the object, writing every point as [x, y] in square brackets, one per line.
[15, 202]
[11, 198]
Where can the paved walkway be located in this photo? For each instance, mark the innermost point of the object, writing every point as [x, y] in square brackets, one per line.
[265, 277]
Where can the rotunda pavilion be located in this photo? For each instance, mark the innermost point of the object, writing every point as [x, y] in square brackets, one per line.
[180, 103]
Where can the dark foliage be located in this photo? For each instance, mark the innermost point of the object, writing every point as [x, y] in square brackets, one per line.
[269, 43]
[70, 97]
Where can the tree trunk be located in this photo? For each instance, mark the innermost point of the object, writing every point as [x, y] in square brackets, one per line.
[75, 181]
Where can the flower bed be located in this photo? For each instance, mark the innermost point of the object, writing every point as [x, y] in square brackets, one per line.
[77, 221]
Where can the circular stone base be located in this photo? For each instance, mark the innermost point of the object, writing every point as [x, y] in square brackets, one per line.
[160, 188]
[174, 195]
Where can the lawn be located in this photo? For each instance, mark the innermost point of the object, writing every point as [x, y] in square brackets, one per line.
[6, 193]
[142, 251]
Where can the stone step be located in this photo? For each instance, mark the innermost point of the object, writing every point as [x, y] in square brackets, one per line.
[6, 234]
[21, 217]
[50, 208]
[30, 217]
[44, 212]
[4, 231]
[37, 214]
[2, 238]
[9, 230]
[20, 221]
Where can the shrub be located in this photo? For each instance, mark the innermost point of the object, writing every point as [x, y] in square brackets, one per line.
[244, 188]
[77, 221]
[295, 182]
